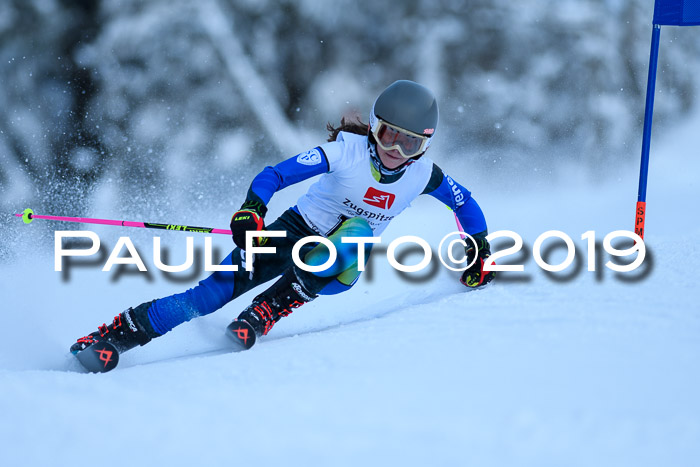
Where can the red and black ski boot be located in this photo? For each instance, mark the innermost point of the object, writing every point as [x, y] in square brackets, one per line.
[280, 300]
[99, 351]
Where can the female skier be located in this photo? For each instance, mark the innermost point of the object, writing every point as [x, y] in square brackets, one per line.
[369, 174]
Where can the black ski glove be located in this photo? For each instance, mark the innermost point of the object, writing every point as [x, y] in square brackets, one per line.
[475, 276]
[249, 217]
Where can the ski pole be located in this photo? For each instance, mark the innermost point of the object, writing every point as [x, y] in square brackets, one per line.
[28, 216]
[459, 226]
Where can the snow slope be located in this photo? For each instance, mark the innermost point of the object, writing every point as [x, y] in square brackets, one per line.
[586, 370]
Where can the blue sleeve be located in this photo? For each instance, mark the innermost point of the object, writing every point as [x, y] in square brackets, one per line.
[293, 170]
[460, 200]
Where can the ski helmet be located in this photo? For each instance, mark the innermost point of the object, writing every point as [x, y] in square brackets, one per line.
[404, 117]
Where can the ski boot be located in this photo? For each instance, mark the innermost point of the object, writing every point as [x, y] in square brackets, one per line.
[267, 308]
[129, 329]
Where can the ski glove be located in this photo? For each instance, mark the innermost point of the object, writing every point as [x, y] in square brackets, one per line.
[249, 217]
[475, 276]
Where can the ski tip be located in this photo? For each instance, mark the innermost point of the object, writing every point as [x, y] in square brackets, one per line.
[26, 216]
[242, 334]
[100, 357]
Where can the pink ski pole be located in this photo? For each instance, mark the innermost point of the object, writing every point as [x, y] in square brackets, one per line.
[28, 216]
[459, 226]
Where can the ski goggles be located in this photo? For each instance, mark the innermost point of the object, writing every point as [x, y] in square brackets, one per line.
[408, 144]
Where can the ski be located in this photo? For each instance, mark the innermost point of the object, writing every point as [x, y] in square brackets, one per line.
[102, 357]
[241, 333]
[99, 357]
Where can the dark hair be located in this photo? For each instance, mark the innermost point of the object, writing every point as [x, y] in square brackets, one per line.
[351, 125]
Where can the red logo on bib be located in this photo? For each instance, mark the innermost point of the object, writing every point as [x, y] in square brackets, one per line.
[380, 199]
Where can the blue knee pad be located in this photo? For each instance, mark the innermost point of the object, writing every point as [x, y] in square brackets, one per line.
[345, 269]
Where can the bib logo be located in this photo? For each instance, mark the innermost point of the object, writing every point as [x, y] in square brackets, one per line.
[310, 157]
[380, 199]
